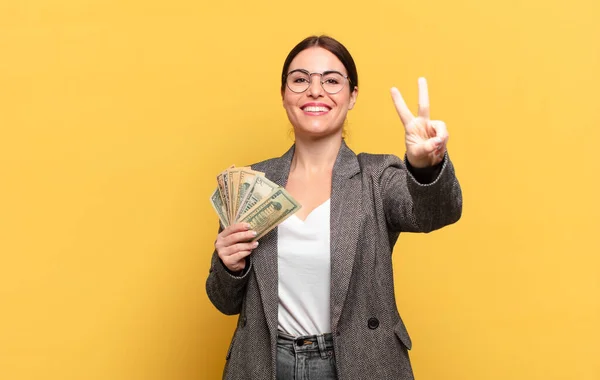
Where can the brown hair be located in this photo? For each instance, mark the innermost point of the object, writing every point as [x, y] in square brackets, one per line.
[329, 44]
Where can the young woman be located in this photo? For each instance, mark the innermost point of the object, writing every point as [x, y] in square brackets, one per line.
[316, 298]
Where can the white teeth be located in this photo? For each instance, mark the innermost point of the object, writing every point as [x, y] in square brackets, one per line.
[315, 109]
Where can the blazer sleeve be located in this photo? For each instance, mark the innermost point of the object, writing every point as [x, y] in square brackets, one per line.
[411, 206]
[224, 289]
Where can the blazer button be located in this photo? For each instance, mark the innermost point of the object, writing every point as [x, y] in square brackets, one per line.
[373, 323]
[244, 322]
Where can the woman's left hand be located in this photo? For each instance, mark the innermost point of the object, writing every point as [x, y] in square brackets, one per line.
[425, 139]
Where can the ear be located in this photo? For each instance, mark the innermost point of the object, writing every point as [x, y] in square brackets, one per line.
[282, 96]
[353, 97]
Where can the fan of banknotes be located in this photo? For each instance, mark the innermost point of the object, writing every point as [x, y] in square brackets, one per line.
[247, 196]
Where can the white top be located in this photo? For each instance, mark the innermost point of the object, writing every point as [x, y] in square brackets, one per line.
[304, 273]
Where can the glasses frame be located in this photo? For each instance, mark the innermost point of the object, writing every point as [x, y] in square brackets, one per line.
[310, 75]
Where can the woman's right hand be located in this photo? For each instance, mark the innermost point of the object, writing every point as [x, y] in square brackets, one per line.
[233, 246]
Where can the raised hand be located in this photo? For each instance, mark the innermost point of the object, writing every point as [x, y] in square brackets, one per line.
[425, 139]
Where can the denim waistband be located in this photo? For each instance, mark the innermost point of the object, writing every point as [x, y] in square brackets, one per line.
[321, 342]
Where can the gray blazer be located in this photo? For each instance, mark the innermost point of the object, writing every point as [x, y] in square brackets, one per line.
[373, 199]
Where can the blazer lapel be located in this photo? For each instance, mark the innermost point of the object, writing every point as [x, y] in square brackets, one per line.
[265, 259]
[345, 217]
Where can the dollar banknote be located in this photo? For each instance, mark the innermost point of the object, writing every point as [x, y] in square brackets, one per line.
[219, 206]
[260, 189]
[266, 215]
[247, 179]
[231, 178]
[243, 194]
[223, 191]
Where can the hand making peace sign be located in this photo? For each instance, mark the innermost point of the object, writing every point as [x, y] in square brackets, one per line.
[425, 139]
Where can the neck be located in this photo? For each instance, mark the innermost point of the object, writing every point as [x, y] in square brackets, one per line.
[315, 156]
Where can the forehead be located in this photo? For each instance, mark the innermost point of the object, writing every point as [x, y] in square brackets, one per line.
[317, 60]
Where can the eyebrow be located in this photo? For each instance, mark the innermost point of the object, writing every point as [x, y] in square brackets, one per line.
[324, 72]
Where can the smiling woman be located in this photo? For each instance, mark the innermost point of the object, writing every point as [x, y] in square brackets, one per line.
[334, 254]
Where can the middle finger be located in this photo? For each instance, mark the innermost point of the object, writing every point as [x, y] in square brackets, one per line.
[239, 237]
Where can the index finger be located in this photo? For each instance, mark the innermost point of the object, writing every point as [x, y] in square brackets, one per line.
[238, 227]
[405, 115]
[423, 98]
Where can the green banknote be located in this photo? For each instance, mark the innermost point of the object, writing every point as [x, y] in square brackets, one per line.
[261, 188]
[269, 213]
[219, 206]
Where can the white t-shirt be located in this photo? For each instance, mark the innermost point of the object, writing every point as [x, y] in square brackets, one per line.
[304, 273]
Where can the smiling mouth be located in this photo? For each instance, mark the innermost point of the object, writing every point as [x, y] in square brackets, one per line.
[315, 110]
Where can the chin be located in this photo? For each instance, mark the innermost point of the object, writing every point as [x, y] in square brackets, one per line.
[317, 132]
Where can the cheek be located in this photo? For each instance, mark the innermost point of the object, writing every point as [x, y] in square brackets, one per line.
[289, 108]
[343, 103]
[289, 100]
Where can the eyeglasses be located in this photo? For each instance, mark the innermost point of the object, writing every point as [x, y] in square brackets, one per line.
[332, 82]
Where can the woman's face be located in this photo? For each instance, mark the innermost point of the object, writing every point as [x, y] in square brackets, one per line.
[314, 112]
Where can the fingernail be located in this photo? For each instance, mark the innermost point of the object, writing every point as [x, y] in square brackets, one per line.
[247, 225]
[255, 244]
[437, 141]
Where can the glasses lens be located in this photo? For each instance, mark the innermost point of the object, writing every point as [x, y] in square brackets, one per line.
[298, 81]
[333, 82]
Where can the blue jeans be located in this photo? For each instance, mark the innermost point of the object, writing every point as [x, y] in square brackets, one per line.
[305, 358]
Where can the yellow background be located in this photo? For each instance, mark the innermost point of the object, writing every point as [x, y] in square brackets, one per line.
[116, 116]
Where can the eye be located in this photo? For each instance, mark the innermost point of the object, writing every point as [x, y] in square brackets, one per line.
[333, 79]
[300, 80]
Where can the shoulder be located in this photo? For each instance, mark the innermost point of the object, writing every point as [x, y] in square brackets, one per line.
[262, 166]
[375, 164]
[275, 164]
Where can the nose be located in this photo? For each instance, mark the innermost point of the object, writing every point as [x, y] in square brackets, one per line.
[315, 89]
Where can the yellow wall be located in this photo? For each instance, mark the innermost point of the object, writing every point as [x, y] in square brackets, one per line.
[116, 116]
